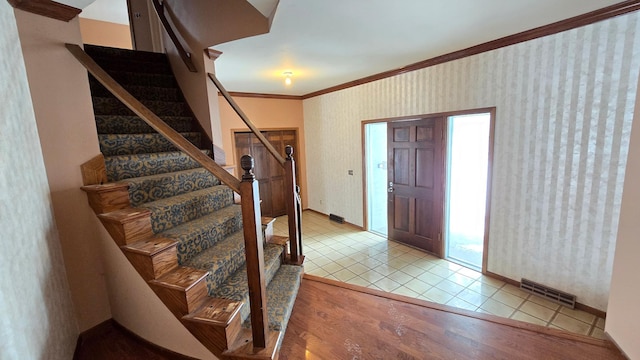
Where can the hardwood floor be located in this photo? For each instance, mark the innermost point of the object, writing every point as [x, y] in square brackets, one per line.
[111, 341]
[330, 321]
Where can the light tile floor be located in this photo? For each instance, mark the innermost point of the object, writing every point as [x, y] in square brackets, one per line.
[347, 254]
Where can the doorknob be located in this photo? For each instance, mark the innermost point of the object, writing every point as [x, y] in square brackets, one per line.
[390, 189]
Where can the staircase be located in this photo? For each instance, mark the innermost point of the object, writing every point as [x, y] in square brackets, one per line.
[176, 223]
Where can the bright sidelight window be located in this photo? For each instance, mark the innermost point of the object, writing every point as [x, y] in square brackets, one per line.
[466, 188]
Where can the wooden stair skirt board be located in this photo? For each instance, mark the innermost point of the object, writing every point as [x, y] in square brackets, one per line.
[175, 222]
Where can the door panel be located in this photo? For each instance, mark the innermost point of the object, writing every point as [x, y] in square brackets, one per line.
[265, 198]
[401, 216]
[424, 210]
[424, 133]
[268, 171]
[277, 196]
[424, 173]
[401, 133]
[415, 175]
[401, 172]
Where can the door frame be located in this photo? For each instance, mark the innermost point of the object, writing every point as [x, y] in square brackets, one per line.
[238, 170]
[446, 115]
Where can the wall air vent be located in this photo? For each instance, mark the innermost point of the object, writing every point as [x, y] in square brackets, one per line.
[336, 218]
[548, 293]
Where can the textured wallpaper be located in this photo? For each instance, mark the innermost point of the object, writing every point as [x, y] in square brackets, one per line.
[37, 315]
[564, 107]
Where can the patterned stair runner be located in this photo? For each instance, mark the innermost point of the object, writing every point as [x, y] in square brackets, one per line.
[187, 203]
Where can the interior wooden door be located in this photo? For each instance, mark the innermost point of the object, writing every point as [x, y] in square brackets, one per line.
[140, 24]
[268, 172]
[415, 182]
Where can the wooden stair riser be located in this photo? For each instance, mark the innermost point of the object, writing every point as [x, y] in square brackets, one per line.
[182, 290]
[216, 324]
[128, 225]
[107, 198]
[181, 302]
[152, 258]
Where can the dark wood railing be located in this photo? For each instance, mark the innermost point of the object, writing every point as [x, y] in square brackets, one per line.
[252, 225]
[291, 191]
[184, 54]
[248, 190]
[246, 120]
[152, 119]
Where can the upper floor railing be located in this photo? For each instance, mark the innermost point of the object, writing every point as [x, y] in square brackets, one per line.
[184, 54]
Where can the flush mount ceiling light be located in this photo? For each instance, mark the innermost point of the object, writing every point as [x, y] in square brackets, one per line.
[287, 77]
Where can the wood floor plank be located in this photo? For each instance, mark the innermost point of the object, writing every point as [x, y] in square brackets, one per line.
[333, 322]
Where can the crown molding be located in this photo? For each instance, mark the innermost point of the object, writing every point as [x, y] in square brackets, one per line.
[554, 28]
[47, 8]
[263, 96]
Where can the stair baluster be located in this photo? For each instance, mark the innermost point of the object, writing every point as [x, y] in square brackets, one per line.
[293, 204]
[254, 252]
[291, 199]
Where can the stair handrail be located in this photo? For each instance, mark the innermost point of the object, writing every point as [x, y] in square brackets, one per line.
[184, 54]
[247, 188]
[152, 119]
[246, 120]
[292, 197]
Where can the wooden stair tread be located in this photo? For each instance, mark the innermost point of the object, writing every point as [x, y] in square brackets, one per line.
[151, 246]
[216, 311]
[183, 278]
[125, 215]
[265, 220]
[104, 187]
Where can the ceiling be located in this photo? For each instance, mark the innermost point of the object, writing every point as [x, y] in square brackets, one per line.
[330, 42]
[114, 11]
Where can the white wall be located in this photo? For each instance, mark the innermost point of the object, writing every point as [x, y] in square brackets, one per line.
[38, 320]
[564, 109]
[64, 115]
[623, 314]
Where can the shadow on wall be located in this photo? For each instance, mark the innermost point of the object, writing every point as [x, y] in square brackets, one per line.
[56, 299]
[80, 240]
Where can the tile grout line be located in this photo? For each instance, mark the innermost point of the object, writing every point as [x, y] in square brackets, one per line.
[593, 326]
[393, 251]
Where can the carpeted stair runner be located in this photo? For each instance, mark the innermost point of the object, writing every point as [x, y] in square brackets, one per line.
[187, 203]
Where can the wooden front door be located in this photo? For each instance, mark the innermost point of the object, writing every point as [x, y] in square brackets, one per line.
[415, 182]
[269, 173]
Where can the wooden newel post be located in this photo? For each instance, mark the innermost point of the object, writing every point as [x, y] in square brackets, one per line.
[291, 198]
[254, 251]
